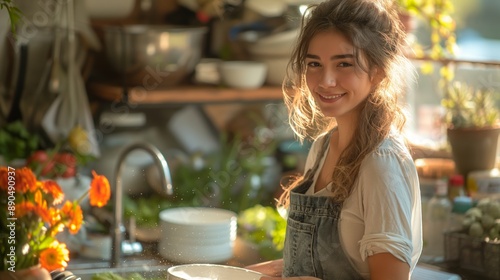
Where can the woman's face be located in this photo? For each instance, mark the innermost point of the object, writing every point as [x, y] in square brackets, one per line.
[337, 83]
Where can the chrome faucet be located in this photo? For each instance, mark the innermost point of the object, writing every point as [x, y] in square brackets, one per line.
[166, 181]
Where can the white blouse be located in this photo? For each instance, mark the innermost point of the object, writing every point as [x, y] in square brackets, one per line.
[383, 212]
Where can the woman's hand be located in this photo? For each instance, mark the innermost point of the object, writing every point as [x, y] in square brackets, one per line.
[273, 269]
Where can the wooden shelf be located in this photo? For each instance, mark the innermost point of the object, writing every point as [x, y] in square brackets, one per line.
[184, 94]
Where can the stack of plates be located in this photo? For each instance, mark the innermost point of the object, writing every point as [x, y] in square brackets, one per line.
[197, 234]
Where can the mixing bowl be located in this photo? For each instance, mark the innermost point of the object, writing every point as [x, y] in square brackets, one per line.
[211, 271]
[153, 56]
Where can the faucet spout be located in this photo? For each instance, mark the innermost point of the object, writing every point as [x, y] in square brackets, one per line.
[166, 181]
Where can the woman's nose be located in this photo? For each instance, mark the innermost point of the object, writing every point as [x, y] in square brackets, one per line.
[328, 79]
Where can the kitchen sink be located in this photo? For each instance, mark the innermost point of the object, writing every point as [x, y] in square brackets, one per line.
[79, 263]
[148, 272]
[147, 264]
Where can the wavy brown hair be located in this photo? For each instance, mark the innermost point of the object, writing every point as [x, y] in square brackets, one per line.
[376, 33]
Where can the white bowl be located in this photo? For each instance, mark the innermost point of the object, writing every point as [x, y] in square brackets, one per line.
[275, 45]
[211, 272]
[243, 74]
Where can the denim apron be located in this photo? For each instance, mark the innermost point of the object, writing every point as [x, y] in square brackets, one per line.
[312, 243]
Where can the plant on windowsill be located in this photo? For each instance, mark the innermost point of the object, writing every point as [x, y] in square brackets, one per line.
[473, 122]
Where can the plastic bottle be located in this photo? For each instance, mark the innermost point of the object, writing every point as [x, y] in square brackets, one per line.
[456, 186]
[436, 222]
[460, 205]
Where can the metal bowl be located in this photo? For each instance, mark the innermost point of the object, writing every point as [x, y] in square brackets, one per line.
[153, 55]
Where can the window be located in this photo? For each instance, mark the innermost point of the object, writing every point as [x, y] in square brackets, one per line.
[478, 40]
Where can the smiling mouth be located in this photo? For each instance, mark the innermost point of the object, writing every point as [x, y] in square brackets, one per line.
[331, 97]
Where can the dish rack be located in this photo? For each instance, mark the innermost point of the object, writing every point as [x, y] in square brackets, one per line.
[473, 254]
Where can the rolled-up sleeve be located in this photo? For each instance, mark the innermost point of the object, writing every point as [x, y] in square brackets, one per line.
[388, 192]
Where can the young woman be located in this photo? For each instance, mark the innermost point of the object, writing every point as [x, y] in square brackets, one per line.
[355, 213]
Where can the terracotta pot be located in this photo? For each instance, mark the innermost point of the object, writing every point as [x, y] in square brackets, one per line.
[32, 273]
[474, 149]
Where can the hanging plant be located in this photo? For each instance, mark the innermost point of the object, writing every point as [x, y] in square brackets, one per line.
[437, 14]
[13, 11]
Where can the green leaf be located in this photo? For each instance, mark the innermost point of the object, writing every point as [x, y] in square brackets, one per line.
[14, 13]
[107, 276]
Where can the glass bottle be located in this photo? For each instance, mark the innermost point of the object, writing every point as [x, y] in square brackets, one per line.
[456, 186]
[436, 222]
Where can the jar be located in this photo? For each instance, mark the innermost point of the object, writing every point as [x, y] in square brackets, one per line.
[482, 184]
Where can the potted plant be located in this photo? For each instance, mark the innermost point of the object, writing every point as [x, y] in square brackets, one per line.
[37, 212]
[473, 127]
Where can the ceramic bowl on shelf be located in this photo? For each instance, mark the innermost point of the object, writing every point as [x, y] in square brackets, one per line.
[211, 271]
[243, 74]
[276, 45]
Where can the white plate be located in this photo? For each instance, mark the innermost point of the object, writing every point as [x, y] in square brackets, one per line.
[197, 254]
[192, 218]
[198, 232]
[186, 240]
[211, 272]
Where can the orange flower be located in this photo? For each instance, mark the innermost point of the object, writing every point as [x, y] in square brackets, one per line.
[55, 217]
[24, 208]
[73, 216]
[54, 257]
[25, 180]
[4, 182]
[99, 192]
[52, 188]
[41, 209]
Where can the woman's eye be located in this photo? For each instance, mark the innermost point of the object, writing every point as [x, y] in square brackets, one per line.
[313, 64]
[344, 64]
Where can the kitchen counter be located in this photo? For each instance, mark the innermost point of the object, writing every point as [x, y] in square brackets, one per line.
[151, 260]
[451, 268]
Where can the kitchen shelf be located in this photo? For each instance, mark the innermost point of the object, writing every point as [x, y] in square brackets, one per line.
[185, 94]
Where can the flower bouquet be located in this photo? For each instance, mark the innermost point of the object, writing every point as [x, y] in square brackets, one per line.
[33, 211]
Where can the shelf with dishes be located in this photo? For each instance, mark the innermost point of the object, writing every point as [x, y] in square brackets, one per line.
[183, 94]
